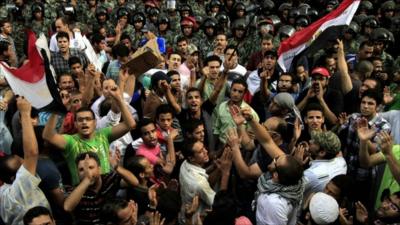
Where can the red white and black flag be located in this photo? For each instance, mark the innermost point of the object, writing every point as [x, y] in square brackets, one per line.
[315, 37]
[34, 80]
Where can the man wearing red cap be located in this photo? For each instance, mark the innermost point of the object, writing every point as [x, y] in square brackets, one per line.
[330, 99]
[188, 27]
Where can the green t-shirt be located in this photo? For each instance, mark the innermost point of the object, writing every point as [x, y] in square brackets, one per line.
[100, 144]
[388, 180]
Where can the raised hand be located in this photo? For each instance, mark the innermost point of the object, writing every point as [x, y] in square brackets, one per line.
[123, 75]
[301, 154]
[233, 139]
[23, 105]
[386, 142]
[191, 209]
[224, 163]
[115, 93]
[364, 133]
[342, 118]
[173, 133]
[236, 115]
[115, 158]
[247, 114]
[88, 173]
[387, 96]
[152, 194]
[361, 213]
[344, 217]
[155, 219]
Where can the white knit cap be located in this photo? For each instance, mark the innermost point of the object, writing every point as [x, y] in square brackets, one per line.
[323, 208]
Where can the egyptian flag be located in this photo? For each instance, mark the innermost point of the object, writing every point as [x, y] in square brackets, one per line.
[35, 80]
[315, 37]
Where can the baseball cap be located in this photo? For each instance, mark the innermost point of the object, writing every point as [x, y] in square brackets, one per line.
[327, 140]
[324, 209]
[321, 71]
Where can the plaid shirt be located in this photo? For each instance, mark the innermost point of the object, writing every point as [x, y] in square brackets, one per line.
[353, 143]
[61, 65]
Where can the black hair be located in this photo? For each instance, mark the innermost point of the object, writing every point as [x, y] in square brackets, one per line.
[241, 81]
[92, 155]
[62, 34]
[4, 46]
[169, 204]
[164, 109]
[120, 50]
[290, 75]
[213, 58]
[105, 107]
[74, 60]
[173, 53]
[110, 209]
[36, 212]
[314, 107]
[267, 37]
[187, 151]
[182, 38]
[62, 75]
[7, 174]
[374, 94]
[366, 43]
[97, 38]
[144, 122]
[224, 210]
[125, 36]
[290, 172]
[378, 86]
[230, 47]
[192, 89]
[189, 127]
[172, 73]
[345, 184]
[133, 165]
[84, 109]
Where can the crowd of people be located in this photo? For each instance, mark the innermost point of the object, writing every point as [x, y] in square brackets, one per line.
[217, 133]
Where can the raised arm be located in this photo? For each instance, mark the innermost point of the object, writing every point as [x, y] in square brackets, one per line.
[128, 122]
[30, 145]
[76, 195]
[392, 162]
[365, 134]
[50, 134]
[170, 160]
[126, 175]
[262, 135]
[347, 85]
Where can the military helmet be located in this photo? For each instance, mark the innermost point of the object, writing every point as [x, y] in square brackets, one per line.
[162, 18]
[184, 7]
[239, 6]
[267, 5]
[365, 5]
[37, 6]
[139, 17]
[214, 3]
[209, 22]
[239, 24]
[382, 34]
[371, 22]
[302, 21]
[122, 11]
[388, 6]
[222, 18]
[353, 27]
[153, 11]
[285, 6]
[286, 31]
[101, 10]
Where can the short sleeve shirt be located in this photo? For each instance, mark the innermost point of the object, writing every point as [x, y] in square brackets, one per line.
[99, 144]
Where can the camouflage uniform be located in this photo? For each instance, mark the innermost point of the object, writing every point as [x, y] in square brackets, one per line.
[245, 49]
[3, 11]
[206, 45]
[175, 24]
[351, 47]
[136, 37]
[39, 27]
[387, 60]
[198, 9]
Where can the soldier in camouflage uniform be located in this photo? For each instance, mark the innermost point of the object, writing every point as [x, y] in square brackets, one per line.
[138, 21]
[39, 24]
[198, 8]
[102, 20]
[164, 31]
[207, 43]
[20, 15]
[382, 38]
[188, 28]
[241, 40]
